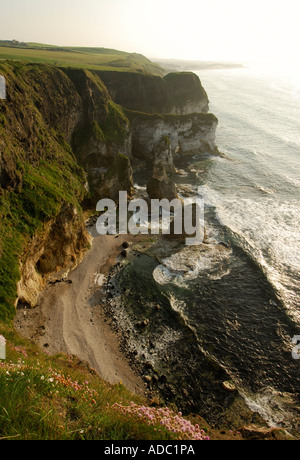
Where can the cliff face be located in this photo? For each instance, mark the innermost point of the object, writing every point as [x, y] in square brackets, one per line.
[188, 134]
[60, 246]
[64, 139]
[38, 170]
[186, 93]
[178, 93]
[39, 99]
[102, 138]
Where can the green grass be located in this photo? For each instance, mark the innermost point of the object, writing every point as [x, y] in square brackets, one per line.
[80, 57]
[23, 215]
[45, 188]
[60, 398]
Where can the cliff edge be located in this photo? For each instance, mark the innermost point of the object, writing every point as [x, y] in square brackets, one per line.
[70, 137]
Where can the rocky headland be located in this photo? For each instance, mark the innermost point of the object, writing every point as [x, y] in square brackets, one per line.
[70, 137]
[66, 142]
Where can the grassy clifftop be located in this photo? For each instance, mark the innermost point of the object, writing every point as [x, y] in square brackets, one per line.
[79, 57]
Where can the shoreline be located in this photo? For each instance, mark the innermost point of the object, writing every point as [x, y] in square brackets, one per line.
[73, 316]
[70, 318]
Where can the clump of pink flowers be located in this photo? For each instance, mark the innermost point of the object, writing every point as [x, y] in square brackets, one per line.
[175, 423]
[86, 392]
[21, 350]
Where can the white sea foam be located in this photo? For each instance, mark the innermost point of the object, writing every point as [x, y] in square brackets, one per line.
[188, 263]
[268, 231]
[274, 406]
[256, 196]
[139, 187]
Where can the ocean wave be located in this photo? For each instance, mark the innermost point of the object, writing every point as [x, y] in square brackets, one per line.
[264, 190]
[266, 229]
[277, 408]
[190, 262]
[274, 253]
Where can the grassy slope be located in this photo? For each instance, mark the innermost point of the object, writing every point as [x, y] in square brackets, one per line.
[81, 57]
[61, 398]
[44, 398]
[43, 172]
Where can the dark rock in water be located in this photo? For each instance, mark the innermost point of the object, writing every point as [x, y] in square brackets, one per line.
[226, 245]
[163, 378]
[155, 378]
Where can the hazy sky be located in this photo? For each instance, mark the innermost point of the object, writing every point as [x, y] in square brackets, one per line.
[240, 30]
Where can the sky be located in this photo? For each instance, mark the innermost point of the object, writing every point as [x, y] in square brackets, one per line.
[226, 30]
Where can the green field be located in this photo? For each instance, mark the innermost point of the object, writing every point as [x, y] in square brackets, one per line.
[80, 57]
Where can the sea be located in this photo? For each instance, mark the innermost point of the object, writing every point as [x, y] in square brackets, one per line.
[256, 194]
[241, 303]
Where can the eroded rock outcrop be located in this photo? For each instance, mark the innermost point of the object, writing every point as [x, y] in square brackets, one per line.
[60, 246]
[163, 155]
[190, 134]
[108, 181]
[160, 185]
[102, 138]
